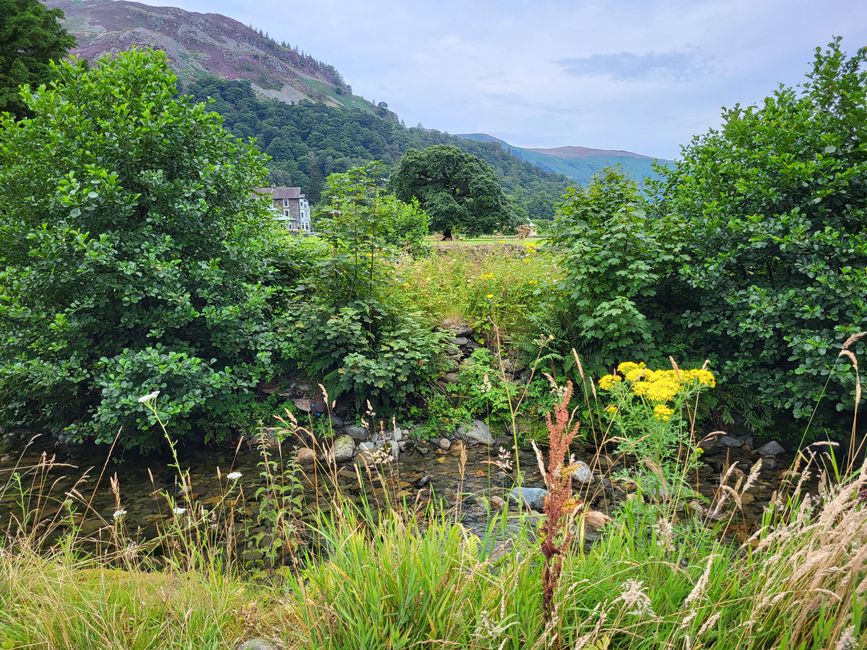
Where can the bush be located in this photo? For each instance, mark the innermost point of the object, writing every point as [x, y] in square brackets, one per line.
[772, 209]
[615, 258]
[133, 256]
[354, 332]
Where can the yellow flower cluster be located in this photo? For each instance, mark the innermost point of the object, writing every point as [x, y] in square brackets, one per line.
[658, 386]
[607, 381]
[662, 412]
[486, 276]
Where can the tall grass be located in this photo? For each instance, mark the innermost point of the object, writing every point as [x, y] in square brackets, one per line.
[395, 574]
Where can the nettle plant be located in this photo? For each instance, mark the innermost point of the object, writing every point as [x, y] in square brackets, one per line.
[652, 413]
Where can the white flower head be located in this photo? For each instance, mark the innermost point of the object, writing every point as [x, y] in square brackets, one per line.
[179, 512]
[119, 514]
[234, 476]
[150, 397]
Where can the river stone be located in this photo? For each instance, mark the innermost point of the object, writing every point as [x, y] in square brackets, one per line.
[305, 456]
[366, 446]
[478, 431]
[772, 448]
[460, 341]
[730, 441]
[355, 432]
[497, 503]
[255, 644]
[445, 444]
[531, 497]
[303, 404]
[583, 473]
[343, 448]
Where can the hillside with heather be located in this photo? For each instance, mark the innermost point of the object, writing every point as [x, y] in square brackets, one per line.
[201, 44]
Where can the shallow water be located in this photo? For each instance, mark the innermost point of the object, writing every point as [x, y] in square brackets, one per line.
[422, 472]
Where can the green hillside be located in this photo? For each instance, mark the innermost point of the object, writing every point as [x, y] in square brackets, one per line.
[309, 140]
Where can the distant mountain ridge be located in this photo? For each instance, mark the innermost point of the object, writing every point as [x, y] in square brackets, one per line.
[206, 44]
[578, 163]
[212, 54]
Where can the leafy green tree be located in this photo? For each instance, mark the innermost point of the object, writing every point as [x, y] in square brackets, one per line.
[456, 189]
[357, 333]
[615, 258]
[31, 36]
[773, 209]
[133, 257]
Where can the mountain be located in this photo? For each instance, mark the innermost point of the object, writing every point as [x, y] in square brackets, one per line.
[201, 45]
[578, 163]
[302, 112]
[309, 140]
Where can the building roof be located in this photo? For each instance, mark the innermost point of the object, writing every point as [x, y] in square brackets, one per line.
[281, 192]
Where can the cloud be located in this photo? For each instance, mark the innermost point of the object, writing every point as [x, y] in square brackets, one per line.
[680, 65]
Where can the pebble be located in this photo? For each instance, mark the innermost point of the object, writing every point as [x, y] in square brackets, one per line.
[255, 644]
[497, 503]
[305, 456]
[445, 444]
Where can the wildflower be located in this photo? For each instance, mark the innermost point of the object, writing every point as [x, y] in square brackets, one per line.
[119, 514]
[628, 366]
[234, 476]
[702, 376]
[150, 397]
[662, 412]
[665, 534]
[611, 409]
[179, 512]
[635, 599]
[486, 276]
[490, 296]
[607, 381]
[662, 390]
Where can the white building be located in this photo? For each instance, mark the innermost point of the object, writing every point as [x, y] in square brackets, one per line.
[291, 207]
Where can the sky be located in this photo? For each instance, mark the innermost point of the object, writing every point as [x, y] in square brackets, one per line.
[639, 75]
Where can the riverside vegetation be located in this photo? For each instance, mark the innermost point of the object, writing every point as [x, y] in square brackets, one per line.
[148, 302]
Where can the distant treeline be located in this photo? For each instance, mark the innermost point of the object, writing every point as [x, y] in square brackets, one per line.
[308, 141]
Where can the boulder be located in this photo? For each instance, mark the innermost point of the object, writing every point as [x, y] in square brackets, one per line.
[582, 474]
[477, 431]
[460, 341]
[772, 448]
[730, 441]
[343, 449]
[356, 432]
[533, 498]
[305, 456]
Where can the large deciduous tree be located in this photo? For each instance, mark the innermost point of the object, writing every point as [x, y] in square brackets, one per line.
[31, 35]
[134, 257]
[457, 190]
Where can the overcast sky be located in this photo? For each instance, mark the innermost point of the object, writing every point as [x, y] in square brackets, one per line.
[641, 75]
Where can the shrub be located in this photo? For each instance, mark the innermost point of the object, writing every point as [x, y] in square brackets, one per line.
[133, 256]
[353, 331]
[615, 258]
[772, 209]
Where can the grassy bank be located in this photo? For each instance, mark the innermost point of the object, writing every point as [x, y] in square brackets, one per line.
[401, 582]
